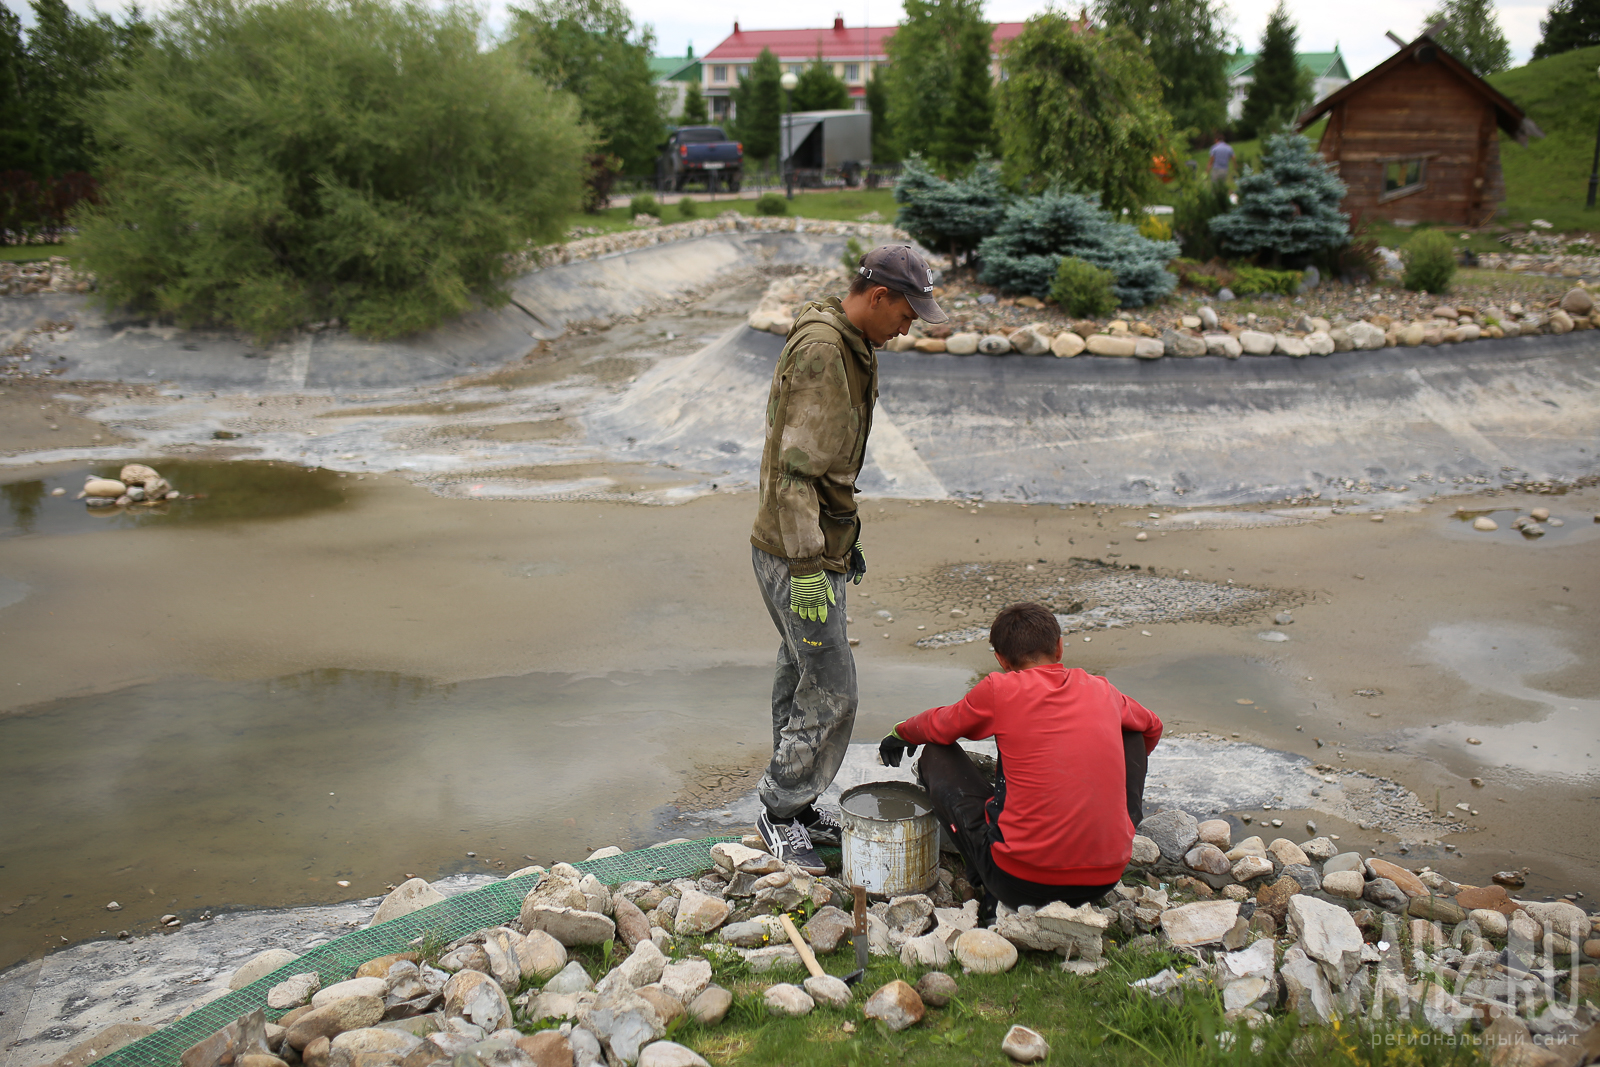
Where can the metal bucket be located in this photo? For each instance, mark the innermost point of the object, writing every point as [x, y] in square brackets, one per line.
[890, 857]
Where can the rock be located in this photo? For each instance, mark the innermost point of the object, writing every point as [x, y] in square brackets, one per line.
[1273, 900]
[1030, 341]
[1576, 302]
[928, 345]
[787, 999]
[624, 1022]
[1236, 892]
[751, 934]
[902, 343]
[951, 923]
[686, 979]
[1385, 894]
[642, 967]
[378, 966]
[699, 913]
[570, 926]
[1207, 316]
[1225, 295]
[1485, 523]
[1250, 846]
[468, 957]
[1319, 849]
[961, 344]
[668, 1007]
[547, 1048]
[1515, 879]
[670, 1054]
[294, 991]
[353, 987]
[477, 998]
[261, 965]
[1256, 343]
[1286, 852]
[1200, 923]
[1305, 874]
[352, 1013]
[1319, 343]
[586, 1050]
[1208, 859]
[375, 1039]
[1223, 344]
[1290, 345]
[1216, 832]
[1101, 344]
[1492, 923]
[1409, 883]
[826, 989]
[1346, 861]
[1467, 331]
[775, 958]
[573, 978]
[411, 895]
[1560, 322]
[1364, 336]
[1067, 344]
[736, 858]
[1561, 916]
[632, 926]
[983, 952]
[928, 950]
[711, 1006]
[104, 487]
[1024, 1045]
[1341, 339]
[936, 988]
[1442, 909]
[898, 1005]
[1346, 884]
[1327, 934]
[1073, 931]
[1145, 851]
[1174, 831]
[1305, 987]
[993, 344]
[1251, 867]
[1148, 348]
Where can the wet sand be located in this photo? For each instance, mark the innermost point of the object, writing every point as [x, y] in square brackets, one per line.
[1460, 636]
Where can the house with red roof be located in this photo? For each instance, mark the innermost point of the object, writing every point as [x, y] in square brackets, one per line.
[854, 52]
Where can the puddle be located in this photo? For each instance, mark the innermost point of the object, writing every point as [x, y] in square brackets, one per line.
[1577, 527]
[1497, 657]
[192, 794]
[229, 491]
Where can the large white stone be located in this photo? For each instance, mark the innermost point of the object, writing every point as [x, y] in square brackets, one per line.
[735, 858]
[985, 952]
[259, 966]
[1257, 343]
[699, 913]
[353, 987]
[570, 926]
[686, 979]
[411, 895]
[1306, 988]
[1328, 935]
[1199, 923]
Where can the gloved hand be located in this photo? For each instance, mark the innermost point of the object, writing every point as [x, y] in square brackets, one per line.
[891, 749]
[857, 565]
[810, 595]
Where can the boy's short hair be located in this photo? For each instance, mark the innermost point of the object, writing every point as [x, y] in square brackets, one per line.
[1025, 631]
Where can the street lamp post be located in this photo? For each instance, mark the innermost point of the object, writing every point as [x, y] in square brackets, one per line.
[1594, 169]
[790, 80]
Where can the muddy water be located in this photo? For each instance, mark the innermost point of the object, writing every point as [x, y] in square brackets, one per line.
[889, 801]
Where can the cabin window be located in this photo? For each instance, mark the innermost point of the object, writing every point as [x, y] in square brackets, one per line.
[1402, 177]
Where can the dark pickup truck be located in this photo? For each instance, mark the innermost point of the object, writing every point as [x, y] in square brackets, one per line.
[700, 153]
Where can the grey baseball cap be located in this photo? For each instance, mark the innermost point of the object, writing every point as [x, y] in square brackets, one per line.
[898, 267]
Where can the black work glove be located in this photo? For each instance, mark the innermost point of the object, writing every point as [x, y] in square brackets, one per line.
[857, 565]
[891, 749]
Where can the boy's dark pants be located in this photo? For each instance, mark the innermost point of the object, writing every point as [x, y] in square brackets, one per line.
[960, 792]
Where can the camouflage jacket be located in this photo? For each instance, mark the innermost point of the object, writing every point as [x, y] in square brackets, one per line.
[819, 413]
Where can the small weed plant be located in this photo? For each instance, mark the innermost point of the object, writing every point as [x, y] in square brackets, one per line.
[1430, 261]
[644, 204]
[772, 204]
[689, 208]
[1084, 290]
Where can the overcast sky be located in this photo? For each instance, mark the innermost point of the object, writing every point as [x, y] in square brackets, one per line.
[1355, 25]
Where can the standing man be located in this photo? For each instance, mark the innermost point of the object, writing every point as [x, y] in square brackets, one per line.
[1221, 159]
[806, 540]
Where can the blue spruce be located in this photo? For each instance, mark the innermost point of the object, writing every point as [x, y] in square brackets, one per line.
[1287, 209]
[948, 216]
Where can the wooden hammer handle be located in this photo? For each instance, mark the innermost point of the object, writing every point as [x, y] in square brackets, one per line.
[800, 946]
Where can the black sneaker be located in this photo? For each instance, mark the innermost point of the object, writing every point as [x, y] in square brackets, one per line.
[822, 825]
[789, 842]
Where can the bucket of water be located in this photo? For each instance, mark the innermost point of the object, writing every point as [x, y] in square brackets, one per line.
[891, 838]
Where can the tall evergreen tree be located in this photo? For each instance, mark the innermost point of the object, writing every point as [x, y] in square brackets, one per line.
[939, 84]
[1472, 34]
[885, 149]
[1280, 87]
[758, 106]
[593, 50]
[1188, 42]
[1290, 207]
[19, 145]
[819, 90]
[694, 107]
[1569, 24]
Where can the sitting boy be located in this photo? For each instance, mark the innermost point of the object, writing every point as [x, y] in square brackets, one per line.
[1058, 823]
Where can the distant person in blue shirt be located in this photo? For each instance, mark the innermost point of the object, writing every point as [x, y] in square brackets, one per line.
[1221, 160]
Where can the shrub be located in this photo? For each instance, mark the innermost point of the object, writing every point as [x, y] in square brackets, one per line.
[1025, 253]
[1155, 227]
[644, 204]
[1083, 290]
[604, 169]
[285, 161]
[1289, 208]
[949, 216]
[1248, 280]
[689, 207]
[772, 204]
[1210, 276]
[1430, 261]
[853, 251]
[1199, 200]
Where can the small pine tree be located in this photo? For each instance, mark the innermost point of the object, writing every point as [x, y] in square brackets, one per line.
[758, 107]
[819, 90]
[949, 216]
[694, 107]
[885, 150]
[1279, 86]
[1024, 255]
[1290, 207]
[1569, 24]
[1472, 34]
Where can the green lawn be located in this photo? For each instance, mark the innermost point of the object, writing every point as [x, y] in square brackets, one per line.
[1549, 178]
[28, 253]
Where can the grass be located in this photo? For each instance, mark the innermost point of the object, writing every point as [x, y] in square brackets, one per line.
[30, 253]
[843, 206]
[1096, 1019]
[1549, 178]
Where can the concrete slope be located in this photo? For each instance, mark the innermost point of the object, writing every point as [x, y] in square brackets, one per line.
[1190, 431]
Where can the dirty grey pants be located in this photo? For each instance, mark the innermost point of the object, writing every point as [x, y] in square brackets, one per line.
[813, 693]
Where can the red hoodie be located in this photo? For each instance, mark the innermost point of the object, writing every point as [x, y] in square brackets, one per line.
[1065, 820]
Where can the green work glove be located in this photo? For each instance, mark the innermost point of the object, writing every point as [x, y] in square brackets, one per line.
[857, 564]
[810, 595]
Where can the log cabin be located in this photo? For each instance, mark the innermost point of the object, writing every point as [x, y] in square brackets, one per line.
[1417, 138]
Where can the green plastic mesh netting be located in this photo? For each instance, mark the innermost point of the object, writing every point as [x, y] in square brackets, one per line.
[493, 905]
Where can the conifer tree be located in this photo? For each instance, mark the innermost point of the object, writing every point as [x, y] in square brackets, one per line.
[819, 90]
[1472, 34]
[1279, 86]
[758, 107]
[1290, 207]
[1188, 42]
[1569, 24]
[949, 216]
[940, 102]
[885, 150]
[694, 106]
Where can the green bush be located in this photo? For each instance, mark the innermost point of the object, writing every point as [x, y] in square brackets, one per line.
[1025, 253]
[1208, 276]
[772, 204]
[279, 162]
[853, 251]
[1198, 201]
[1430, 261]
[644, 204]
[689, 207]
[1248, 280]
[949, 216]
[1083, 290]
[1290, 207]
